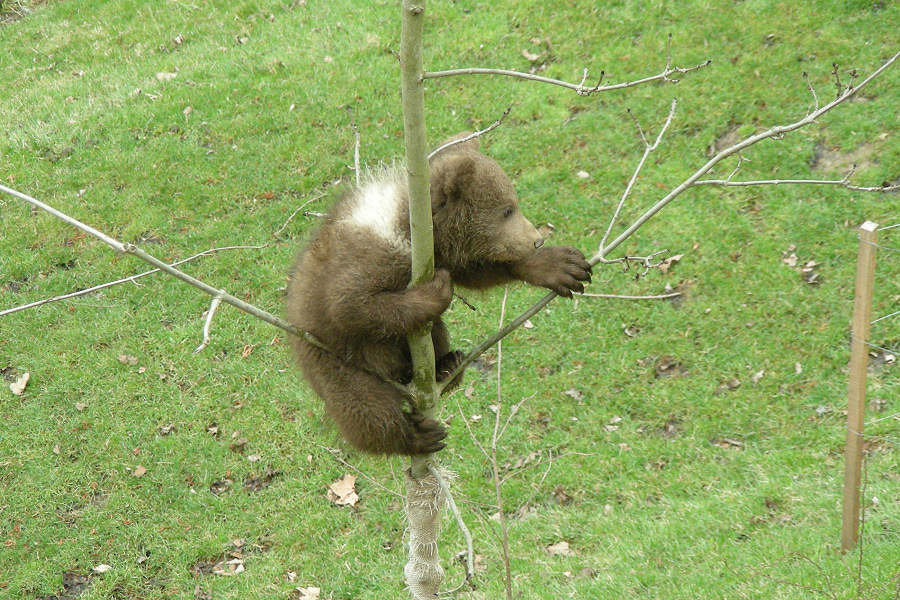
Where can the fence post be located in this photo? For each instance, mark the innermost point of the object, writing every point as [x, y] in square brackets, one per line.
[862, 308]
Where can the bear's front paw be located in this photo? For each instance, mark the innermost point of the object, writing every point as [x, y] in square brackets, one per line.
[560, 268]
[446, 365]
[424, 435]
[437, 293]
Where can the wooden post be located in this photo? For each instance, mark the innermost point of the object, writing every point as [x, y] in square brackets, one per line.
[862, 308]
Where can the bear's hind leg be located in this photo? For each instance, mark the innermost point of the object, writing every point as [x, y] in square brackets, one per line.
[370, 415]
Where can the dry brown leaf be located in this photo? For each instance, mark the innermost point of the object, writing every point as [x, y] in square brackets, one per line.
[101, 569]
[309, 593]
[667, 263]
[342, 491]
[139, 471]
[80, 406]
[530, 56]
[127, 359]
[17, 387]
[560, 549]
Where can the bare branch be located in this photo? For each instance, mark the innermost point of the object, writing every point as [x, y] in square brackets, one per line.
[811, 90]
[648, 148]
[504, 537]
[128, 248]
[132, 278]
[467, 535]
[301, 207]
[839, 182]
[774, 132]
[623, 297]
[209, 317]
[691, 181]
[471, 136]
[355, 151]
[664, 75]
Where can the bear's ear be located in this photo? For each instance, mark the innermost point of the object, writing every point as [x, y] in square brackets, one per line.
[467, 146]
[450, 177]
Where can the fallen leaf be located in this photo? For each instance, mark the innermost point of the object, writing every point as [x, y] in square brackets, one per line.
[528, 324]
[166, 429]
[254, 457]
[574, 394]
[798, 368]
[80, 406]
[667, 263]
[246, 351]
[475, 418]
[166, 76]
[342, 491]
[18, 386]
[582, 175]
[239, 445]
[757, 376]
[560, 549]
[728, 443]
[530, 56]
[229, 568]
[789, 259]
[127, 359]
[101, 569]
[308, 593]
[139, 471]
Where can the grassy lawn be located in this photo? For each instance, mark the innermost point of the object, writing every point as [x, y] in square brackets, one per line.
[688, 449]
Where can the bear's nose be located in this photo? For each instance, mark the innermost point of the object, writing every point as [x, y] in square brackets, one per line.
[538, 243]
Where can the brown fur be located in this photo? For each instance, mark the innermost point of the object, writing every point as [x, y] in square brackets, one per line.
[349, 289]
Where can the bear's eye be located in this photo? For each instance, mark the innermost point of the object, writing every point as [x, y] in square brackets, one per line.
[508, 212]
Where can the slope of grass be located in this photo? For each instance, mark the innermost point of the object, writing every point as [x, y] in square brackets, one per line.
[183, 126]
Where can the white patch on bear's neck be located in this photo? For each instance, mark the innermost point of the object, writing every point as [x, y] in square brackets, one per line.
[376, 209]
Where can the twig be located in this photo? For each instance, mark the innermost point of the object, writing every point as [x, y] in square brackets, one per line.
[355, 151]
[811, 90]
[648, 148]
[128, 248]
[504, 538]
[335, 455]
[293, 214]
[839, 182]
[132, 279]
[512, 412]
[209, 317]
[470, 551]
[774, 132]
[471, 136]
[624, 297]
[579, 88]
[469, 429]
[893, 314]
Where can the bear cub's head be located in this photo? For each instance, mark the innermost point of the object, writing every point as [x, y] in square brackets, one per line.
[476, 211]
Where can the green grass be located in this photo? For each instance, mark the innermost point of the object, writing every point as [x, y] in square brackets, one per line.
[656, 508]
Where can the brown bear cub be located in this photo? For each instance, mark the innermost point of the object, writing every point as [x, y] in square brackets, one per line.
[349, 290]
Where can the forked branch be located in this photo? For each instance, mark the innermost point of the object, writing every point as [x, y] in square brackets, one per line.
[579, 88]
[693, 180]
